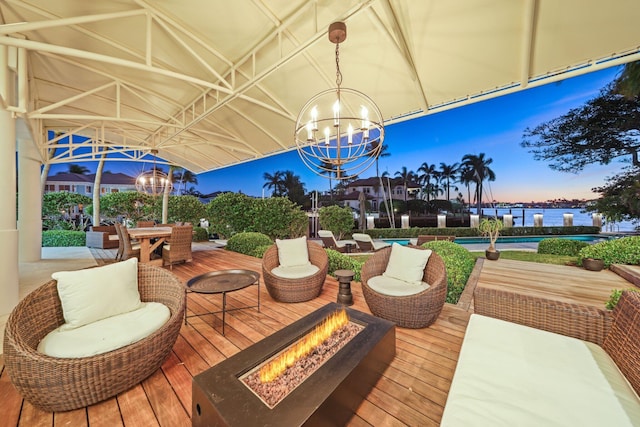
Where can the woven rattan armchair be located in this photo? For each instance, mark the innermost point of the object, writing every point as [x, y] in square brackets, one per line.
[126, 249]
[295, 290]
[179, 247]
[61, 384]
[411, 311]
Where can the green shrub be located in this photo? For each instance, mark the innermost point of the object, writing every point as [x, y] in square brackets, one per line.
[59, 238]
[230, 213]
[339, 261]
[555, 246]
[200, 234]
[185, 208]
[336, 219]
[278, 218]
[459, 264]
[259, 251]
[618, 251]
[246, 243]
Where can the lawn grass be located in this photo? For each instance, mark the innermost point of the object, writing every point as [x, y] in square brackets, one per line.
[534, 257]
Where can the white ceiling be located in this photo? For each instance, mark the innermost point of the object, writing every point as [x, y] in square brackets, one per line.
[211, 83]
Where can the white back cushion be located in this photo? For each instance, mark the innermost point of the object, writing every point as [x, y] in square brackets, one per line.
[293, 252]
[97, 293]
[407, 264]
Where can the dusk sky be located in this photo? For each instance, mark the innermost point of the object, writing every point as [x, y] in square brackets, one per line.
[494, 127]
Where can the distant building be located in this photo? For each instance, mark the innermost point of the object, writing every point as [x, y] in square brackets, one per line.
[83, 184]
[375, 193]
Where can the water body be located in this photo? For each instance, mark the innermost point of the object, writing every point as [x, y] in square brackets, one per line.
[555, 218]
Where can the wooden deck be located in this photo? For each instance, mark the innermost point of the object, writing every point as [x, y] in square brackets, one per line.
[412, 391]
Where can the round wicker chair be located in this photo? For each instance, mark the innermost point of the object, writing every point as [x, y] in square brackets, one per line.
[61, 384]
[411, 311]
[295, 290]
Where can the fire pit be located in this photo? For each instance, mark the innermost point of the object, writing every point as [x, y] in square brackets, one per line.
[329, 395]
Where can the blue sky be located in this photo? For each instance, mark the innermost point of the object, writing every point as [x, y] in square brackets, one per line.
[494, 127]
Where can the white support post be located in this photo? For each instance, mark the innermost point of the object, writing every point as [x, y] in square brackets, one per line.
[9, 286]
[29, 202]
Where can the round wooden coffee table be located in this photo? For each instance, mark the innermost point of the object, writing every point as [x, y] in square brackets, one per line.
[221, 282]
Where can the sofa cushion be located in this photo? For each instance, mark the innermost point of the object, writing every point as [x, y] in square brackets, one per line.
[295, 272]
[509, 374]
[394, 287]
[97, 293]
[293, 252]
[106, 334]
[407, 264]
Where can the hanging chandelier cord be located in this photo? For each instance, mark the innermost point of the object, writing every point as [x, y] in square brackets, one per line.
[338, 73]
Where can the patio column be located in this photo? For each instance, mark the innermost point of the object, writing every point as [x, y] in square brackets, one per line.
[8, 230]
[29, 202]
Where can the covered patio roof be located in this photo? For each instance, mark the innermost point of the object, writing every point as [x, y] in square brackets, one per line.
[212, 83]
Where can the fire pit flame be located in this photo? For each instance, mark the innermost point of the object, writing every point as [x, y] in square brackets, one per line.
[317, 336]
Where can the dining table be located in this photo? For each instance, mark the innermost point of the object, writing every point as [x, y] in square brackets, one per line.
[150, 238]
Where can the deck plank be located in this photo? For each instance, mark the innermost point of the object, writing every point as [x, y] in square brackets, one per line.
[412, 391]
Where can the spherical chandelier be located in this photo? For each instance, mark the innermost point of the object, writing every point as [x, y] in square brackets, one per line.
[339, 132]
[153, 182]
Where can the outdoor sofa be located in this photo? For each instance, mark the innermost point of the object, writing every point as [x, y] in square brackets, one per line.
[511, 374]
[103, 237]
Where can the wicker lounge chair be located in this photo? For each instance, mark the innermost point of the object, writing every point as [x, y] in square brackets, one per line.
[366, 244]
[295, 290]
[179, 247]
[412, 311]
[61, 384]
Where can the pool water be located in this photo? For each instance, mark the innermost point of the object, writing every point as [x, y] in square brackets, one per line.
[590, 238]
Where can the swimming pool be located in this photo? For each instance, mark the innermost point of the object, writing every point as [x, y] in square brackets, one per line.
[590, 238]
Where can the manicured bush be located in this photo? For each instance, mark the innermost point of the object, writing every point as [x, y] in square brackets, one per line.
[200, 234]
[618, 251]
[459, 264]
[339, 261]
[555, 246]
[230, 213]
[336, 219]
[185, 208]
[246, 243]
[259, 251]
[58, 238]
[278, 218]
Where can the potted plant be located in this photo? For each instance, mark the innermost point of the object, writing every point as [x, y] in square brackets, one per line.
[490, 227]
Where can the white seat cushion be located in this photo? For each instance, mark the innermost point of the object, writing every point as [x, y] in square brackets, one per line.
[106, 334]
[407, 264]
[514, 375]
[97, 293]
[293, 252]
[395, 287]
[295, 272]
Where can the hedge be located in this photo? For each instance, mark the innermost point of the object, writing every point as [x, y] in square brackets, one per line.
[58, 238]
[399, 233]
[555, 246]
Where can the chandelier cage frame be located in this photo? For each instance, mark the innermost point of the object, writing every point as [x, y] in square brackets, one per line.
[154, 181]
[340, 131]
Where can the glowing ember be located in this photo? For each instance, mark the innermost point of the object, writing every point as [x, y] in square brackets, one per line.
[302, 348]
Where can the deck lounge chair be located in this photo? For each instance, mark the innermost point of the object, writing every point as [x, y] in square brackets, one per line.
[330, 242]
[365, 243]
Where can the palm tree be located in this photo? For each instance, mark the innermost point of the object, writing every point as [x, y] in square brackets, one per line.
[466, 178]
[384, 152]
[82, 170]
[274, 182]
[428, 172]
[447, 173]
[330, 169]
[481, 172]
[406, 176]
[183, 177]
